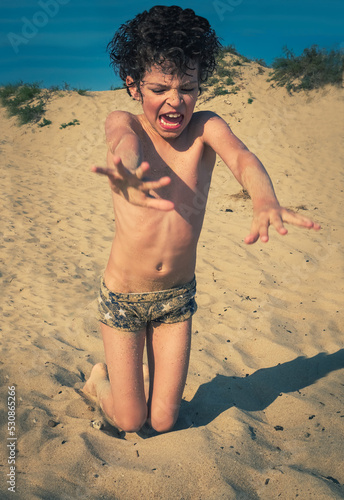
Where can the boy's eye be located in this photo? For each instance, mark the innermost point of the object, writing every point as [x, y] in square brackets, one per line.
[161, 91]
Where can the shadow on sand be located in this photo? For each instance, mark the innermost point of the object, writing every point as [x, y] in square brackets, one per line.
[257, 391]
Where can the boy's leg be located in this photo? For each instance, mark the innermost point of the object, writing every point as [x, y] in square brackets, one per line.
[168, 347]
[120, 389]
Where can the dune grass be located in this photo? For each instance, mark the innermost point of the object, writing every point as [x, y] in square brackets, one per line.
[27, 101]
[227, 73]
[70, 124]
[313, 69]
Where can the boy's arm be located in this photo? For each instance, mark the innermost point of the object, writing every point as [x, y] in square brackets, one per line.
[251, 174]
[125, 169]
[122, 139]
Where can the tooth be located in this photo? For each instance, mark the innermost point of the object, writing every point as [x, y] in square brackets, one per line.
[170, 125]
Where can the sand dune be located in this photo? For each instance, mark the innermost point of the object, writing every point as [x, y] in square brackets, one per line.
[262, 415]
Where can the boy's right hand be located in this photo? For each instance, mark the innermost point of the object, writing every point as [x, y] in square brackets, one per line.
[131, 186]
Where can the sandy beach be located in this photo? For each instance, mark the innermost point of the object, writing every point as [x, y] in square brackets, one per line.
[263, 410]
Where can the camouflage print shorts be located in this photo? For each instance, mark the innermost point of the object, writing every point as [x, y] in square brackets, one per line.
[133, 311]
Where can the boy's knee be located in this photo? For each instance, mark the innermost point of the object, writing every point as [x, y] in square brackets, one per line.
[131, 423]
[163, 422]
[165, 425]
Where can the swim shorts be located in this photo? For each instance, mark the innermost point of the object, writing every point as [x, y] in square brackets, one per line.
[132, 311]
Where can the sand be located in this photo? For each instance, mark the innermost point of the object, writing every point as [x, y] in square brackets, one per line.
[262, 415]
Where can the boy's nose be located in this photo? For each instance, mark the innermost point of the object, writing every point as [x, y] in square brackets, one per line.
[175, 97]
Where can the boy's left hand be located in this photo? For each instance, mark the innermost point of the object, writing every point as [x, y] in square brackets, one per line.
[264, 217]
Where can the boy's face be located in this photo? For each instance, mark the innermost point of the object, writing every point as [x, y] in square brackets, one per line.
[168, 99]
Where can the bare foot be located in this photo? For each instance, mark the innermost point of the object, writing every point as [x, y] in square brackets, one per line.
[97, 387]
[98, 374]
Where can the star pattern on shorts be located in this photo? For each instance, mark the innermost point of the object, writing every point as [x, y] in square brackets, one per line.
[107, 316]
[166, 307]
[121, 312]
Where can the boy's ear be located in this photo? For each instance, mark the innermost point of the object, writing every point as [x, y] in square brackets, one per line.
[135, 94]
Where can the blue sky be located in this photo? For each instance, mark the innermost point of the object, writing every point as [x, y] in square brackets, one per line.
[57, 41]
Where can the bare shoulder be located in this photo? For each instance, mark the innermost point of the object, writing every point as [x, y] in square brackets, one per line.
[121, 119]
[119, 124]
[208, 122]
[206, 116]
[216, 132]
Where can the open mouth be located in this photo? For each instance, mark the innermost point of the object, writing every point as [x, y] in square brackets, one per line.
[170, 121]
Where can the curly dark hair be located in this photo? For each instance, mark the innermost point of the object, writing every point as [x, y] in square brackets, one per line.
[172, 36]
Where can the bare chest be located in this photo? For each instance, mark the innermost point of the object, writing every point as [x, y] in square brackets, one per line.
[188, 166]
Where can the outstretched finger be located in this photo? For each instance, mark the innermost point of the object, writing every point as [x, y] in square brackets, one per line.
[277, 223]
[109, 172]
[255, 233]
[164, 181]
[124, 172]
[142, 169]
[264, 233]
[160, 204]
[251, 238]
[119, 167]
[299, 220]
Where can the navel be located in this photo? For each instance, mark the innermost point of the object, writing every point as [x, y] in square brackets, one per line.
[159, 266]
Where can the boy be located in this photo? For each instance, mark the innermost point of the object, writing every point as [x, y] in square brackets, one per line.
[147, 293]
